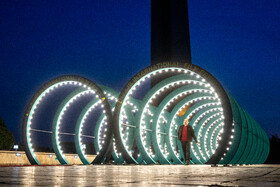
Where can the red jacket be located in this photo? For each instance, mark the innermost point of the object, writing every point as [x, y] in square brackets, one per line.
[190, 133]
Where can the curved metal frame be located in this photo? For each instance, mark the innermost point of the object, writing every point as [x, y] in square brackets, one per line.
[227, 133]
[46, 88]
[161, 68]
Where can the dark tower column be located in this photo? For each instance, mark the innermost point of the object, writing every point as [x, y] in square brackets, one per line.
[170, 38]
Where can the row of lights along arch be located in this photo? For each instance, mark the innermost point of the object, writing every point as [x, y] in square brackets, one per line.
[139, 124]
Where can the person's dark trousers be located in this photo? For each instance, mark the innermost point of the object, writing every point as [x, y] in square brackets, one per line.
[186, 149]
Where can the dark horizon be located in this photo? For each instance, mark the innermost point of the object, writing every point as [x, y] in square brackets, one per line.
[237, 42]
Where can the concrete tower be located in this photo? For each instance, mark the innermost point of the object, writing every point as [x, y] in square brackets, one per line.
[170, 37]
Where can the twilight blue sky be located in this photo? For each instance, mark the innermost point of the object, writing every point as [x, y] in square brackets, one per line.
[108, 41]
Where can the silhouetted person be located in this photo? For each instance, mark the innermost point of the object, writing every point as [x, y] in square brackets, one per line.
[185, 135]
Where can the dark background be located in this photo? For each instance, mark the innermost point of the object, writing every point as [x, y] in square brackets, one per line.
[108, 41]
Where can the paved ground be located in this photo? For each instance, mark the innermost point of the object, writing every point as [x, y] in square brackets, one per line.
[133, 175]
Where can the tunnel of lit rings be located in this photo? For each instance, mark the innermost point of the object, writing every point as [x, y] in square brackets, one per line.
[143, 129]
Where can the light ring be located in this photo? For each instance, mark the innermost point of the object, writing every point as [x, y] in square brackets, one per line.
[46, 88]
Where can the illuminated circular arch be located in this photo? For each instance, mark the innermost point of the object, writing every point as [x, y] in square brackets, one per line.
[182, 91]
[89, 87]
[196, 154]
[227, 133]
[151, 71]
[59, 116]
[167, 83]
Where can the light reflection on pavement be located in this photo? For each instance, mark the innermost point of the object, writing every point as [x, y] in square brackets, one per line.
[140, 175]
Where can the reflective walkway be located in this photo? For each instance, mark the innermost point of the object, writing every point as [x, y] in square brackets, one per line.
[133, 175]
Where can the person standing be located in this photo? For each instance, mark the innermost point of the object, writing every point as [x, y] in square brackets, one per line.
[185, 135]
